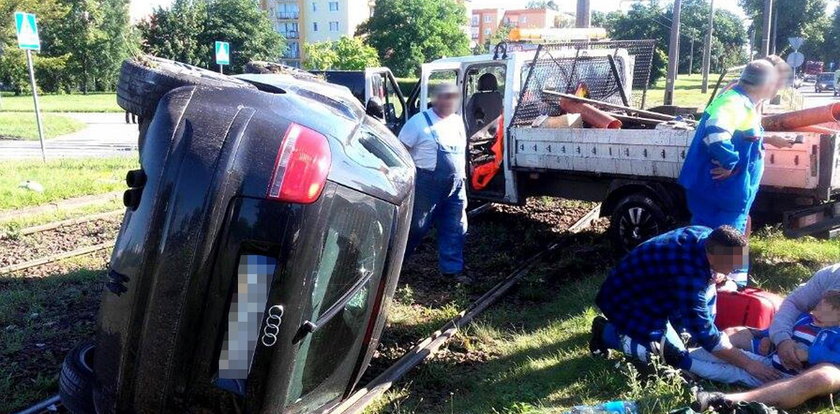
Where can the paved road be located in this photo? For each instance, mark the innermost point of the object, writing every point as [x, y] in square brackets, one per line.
[813, 99]
[107, 134]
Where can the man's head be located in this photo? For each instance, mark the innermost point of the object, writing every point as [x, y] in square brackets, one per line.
[759, 79]
[827, 312]
[783, 70]
[446, 99]
[726, 249]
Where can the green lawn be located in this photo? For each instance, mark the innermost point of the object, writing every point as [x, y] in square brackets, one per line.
[529, 352]
[92, 102]
[687, 91]
[61, 178]
[22, 125]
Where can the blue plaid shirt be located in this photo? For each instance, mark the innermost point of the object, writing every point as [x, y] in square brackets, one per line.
[663, 279]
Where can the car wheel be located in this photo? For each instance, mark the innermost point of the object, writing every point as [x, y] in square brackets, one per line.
[635, 219]
[75, 382]
[145, 79]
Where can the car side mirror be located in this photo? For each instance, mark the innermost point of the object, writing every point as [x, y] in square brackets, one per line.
[374, 109]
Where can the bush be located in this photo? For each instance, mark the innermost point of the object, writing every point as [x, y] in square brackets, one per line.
[51, 73]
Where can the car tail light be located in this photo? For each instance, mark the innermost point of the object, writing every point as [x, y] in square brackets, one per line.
[301, 168]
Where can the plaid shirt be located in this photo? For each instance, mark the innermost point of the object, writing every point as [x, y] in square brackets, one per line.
[663, 279]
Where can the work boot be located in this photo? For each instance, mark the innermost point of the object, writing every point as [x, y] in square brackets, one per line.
[717, 401]
[596, 341]
[459, 278]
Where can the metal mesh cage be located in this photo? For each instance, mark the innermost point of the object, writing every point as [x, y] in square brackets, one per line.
[616, 71]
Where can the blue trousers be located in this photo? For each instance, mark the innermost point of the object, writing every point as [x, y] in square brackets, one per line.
[639, 348]
[704, 214]
[440, 202]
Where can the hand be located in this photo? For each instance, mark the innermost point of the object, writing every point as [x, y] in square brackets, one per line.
[720, 173]
[765, 346]
[763, 372]
[787, 354]
[802, 354]
[778, 142]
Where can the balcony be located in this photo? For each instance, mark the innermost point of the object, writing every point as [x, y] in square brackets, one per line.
[293, 34]
[288, 15]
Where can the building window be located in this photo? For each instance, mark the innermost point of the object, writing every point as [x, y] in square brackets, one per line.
[488, 18]
[288, 10]
[475, 20]
[289, 30]
[333, 26]
[474, 32]
[314, 6]
[333, 6]
[523, 19]
[314, 26]
[487, 31]
[292, 50]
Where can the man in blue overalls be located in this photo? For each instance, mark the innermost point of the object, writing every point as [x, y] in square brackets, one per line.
[437, 141]
[724, 164]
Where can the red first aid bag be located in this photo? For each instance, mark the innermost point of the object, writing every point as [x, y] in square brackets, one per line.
[749, 307]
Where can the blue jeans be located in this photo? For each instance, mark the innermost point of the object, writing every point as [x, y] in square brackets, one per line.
[704, 214]
[440, 202]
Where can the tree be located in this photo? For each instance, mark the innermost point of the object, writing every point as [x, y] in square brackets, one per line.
[407, 33]
[542, 4]
[832, 39]
[346, 53]
[806, 18]
[188, 29]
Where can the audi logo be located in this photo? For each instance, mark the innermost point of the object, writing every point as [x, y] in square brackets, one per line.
[272, 325]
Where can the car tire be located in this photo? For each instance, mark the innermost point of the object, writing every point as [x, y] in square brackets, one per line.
[145, 79]
[635, 219]
[75, 382]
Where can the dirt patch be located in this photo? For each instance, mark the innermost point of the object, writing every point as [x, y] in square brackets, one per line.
[63, 239]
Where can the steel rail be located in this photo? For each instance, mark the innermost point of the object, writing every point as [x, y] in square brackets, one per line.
[61, 223]
[55, 257]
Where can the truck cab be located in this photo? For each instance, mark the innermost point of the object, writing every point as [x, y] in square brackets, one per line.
[376, 89]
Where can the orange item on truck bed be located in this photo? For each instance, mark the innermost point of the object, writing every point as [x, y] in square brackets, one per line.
[805, 118]
[484, 173]
[593, 116]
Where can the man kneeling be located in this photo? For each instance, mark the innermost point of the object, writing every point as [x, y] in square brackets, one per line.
[668, 280]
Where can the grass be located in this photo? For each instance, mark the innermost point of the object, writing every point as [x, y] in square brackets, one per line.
[41, 318]
[92, 102]
[687, 91]
[536, 342]
[61, 179]
[22, 125]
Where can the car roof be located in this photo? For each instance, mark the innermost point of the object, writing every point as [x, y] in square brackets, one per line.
[337, 96]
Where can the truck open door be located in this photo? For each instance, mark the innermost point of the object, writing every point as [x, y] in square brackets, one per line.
[430, 75]
[384, 89]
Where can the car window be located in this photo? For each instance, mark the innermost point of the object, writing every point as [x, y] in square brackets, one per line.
[354, 248]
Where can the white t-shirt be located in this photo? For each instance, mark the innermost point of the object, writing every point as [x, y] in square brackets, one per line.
[417, 137]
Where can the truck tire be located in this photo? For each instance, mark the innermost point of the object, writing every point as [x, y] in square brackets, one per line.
[75, 382]
[636, 218]
[145, 79]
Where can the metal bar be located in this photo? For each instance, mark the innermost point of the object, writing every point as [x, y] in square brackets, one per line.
[42, 406]
[37, 106]
[429, 346]
[618, 81]
[54, 258]
[673, 55]
[654, 115]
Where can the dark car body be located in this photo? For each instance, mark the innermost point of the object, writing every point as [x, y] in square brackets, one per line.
[824, 82]
[224, 295]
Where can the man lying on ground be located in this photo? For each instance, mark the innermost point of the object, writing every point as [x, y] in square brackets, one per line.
[821, 379]
[664, 281]
[822, 322]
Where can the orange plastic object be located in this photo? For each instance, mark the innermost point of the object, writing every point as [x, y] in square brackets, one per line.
[818, 129]
[483, 173]
[593, 116]
[801, 119]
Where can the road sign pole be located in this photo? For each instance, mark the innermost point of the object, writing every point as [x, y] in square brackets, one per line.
[37, 106]
[222, 69]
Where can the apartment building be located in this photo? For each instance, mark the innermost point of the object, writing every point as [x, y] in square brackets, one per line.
[312, 21]
[484, 22]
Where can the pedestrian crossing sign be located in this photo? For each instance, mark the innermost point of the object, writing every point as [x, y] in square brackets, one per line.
[222, 53]
[27, 31]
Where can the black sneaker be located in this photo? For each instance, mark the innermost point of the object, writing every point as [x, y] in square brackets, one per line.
[717, 401]
[596, 341]
[459, 278]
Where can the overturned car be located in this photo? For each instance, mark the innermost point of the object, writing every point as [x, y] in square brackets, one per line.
[262, 240]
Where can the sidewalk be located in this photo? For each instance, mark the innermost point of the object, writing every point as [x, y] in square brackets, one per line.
[106, 135]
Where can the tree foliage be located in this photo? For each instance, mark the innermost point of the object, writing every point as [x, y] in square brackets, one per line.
[650, 21]
[806, 18]
[542, 4]
[187, 30]
[346, 53]
[407, 33]
[83, 43]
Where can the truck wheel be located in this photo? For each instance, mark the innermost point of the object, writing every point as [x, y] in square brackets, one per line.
[75, 382]
[635, 219]
[145, 79]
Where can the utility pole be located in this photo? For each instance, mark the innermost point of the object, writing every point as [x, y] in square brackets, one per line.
[768, 21]
[673, 55]
[691, 58]
[707, 49]
[775, 27]
[583, 16]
